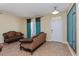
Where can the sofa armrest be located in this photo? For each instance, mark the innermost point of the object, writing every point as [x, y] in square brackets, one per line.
[26, 40]
[5, 36]
[19, 34]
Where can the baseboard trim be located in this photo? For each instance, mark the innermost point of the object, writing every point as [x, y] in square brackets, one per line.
[56, 41]
[71, 50]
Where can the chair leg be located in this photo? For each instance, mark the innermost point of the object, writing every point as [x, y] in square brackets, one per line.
[31, 52]
[20, 48]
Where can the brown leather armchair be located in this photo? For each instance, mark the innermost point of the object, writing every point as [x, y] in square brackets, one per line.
[12, 36]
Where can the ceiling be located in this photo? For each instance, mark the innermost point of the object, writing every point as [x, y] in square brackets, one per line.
[32, 9]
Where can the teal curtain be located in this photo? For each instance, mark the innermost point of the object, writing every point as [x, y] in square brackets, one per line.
[28, 28]
[38, 28]
[71, 27]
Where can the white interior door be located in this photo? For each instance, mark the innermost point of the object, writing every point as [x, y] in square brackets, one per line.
[57, 30]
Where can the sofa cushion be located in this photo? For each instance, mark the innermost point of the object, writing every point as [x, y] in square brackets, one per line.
[11, 34]
[18, 34]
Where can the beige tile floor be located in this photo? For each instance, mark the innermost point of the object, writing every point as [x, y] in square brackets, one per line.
[47, 49]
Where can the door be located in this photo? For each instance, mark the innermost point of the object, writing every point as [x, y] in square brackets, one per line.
[57, 30]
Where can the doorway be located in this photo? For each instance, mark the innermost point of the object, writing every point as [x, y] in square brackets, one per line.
[57, 30]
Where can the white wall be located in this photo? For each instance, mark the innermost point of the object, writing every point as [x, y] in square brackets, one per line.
[8, 23]
[23, 28]
[77, 27]
[46, 27]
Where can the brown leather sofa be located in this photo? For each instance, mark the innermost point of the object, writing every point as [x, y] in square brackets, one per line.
[12, 36]
[36, 42]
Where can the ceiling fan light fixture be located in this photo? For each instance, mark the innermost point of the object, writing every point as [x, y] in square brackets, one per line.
[55, 11]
